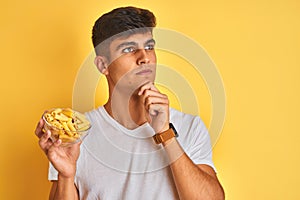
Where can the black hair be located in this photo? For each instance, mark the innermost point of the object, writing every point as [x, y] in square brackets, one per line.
[120, 22]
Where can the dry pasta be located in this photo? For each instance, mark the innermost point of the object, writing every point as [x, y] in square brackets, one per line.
[66, 124]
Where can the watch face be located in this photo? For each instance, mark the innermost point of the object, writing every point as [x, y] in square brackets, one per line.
[173, 128]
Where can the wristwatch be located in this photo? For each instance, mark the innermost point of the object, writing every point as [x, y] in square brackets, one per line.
[166, 135]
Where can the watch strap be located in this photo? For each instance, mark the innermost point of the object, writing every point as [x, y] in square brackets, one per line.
[165, 135]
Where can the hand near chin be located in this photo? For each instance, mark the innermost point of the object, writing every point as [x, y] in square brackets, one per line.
[157, 107]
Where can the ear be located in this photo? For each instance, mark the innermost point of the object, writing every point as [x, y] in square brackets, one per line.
[102, 64]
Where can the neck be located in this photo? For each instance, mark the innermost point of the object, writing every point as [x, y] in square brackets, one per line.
[127, 110]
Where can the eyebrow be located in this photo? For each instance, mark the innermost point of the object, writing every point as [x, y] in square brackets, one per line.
[125, 44]
[150, 41]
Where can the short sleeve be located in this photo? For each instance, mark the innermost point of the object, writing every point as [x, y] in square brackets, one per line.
[201, 151]
[52, 173]
[196, 141]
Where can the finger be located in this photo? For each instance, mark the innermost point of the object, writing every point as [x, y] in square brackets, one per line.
[147, 86]
[39, 128]
[154, 93]
[152, 100]
[44, 141]
[57, 143]
[151, 96]
[76, 145]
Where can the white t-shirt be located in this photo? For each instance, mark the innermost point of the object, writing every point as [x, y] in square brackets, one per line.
[118, 163]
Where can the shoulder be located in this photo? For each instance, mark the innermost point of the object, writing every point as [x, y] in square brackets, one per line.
[94, 114]
[176, 114]
[181, 119]
[94, 111]
[193, 137]
[190, 128]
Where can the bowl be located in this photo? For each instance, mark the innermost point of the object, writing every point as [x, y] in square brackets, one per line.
[66, 124]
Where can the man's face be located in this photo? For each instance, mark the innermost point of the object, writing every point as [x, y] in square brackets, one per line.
[132, 61]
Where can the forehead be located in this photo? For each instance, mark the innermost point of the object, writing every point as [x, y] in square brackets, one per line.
[138, 38]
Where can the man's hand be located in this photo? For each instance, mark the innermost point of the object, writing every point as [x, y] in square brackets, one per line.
[63, 158]
[157, 107]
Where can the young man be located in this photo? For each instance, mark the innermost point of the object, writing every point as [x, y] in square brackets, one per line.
[132, 151]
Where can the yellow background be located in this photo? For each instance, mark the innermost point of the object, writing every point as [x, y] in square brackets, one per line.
[255, 45]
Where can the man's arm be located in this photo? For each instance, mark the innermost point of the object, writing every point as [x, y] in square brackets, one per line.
[64, 159]
[63, 189]
[192, 181]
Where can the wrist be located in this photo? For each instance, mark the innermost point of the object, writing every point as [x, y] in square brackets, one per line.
[167, 142]
[165, 128]
[165, 136]
[66, 188]
[68, 177]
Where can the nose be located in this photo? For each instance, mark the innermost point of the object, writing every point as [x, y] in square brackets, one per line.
[142, 57]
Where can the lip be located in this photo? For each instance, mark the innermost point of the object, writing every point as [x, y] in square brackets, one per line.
[144, 72]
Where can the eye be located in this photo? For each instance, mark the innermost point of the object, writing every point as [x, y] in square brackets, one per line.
[128, 50]
[149, 47]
